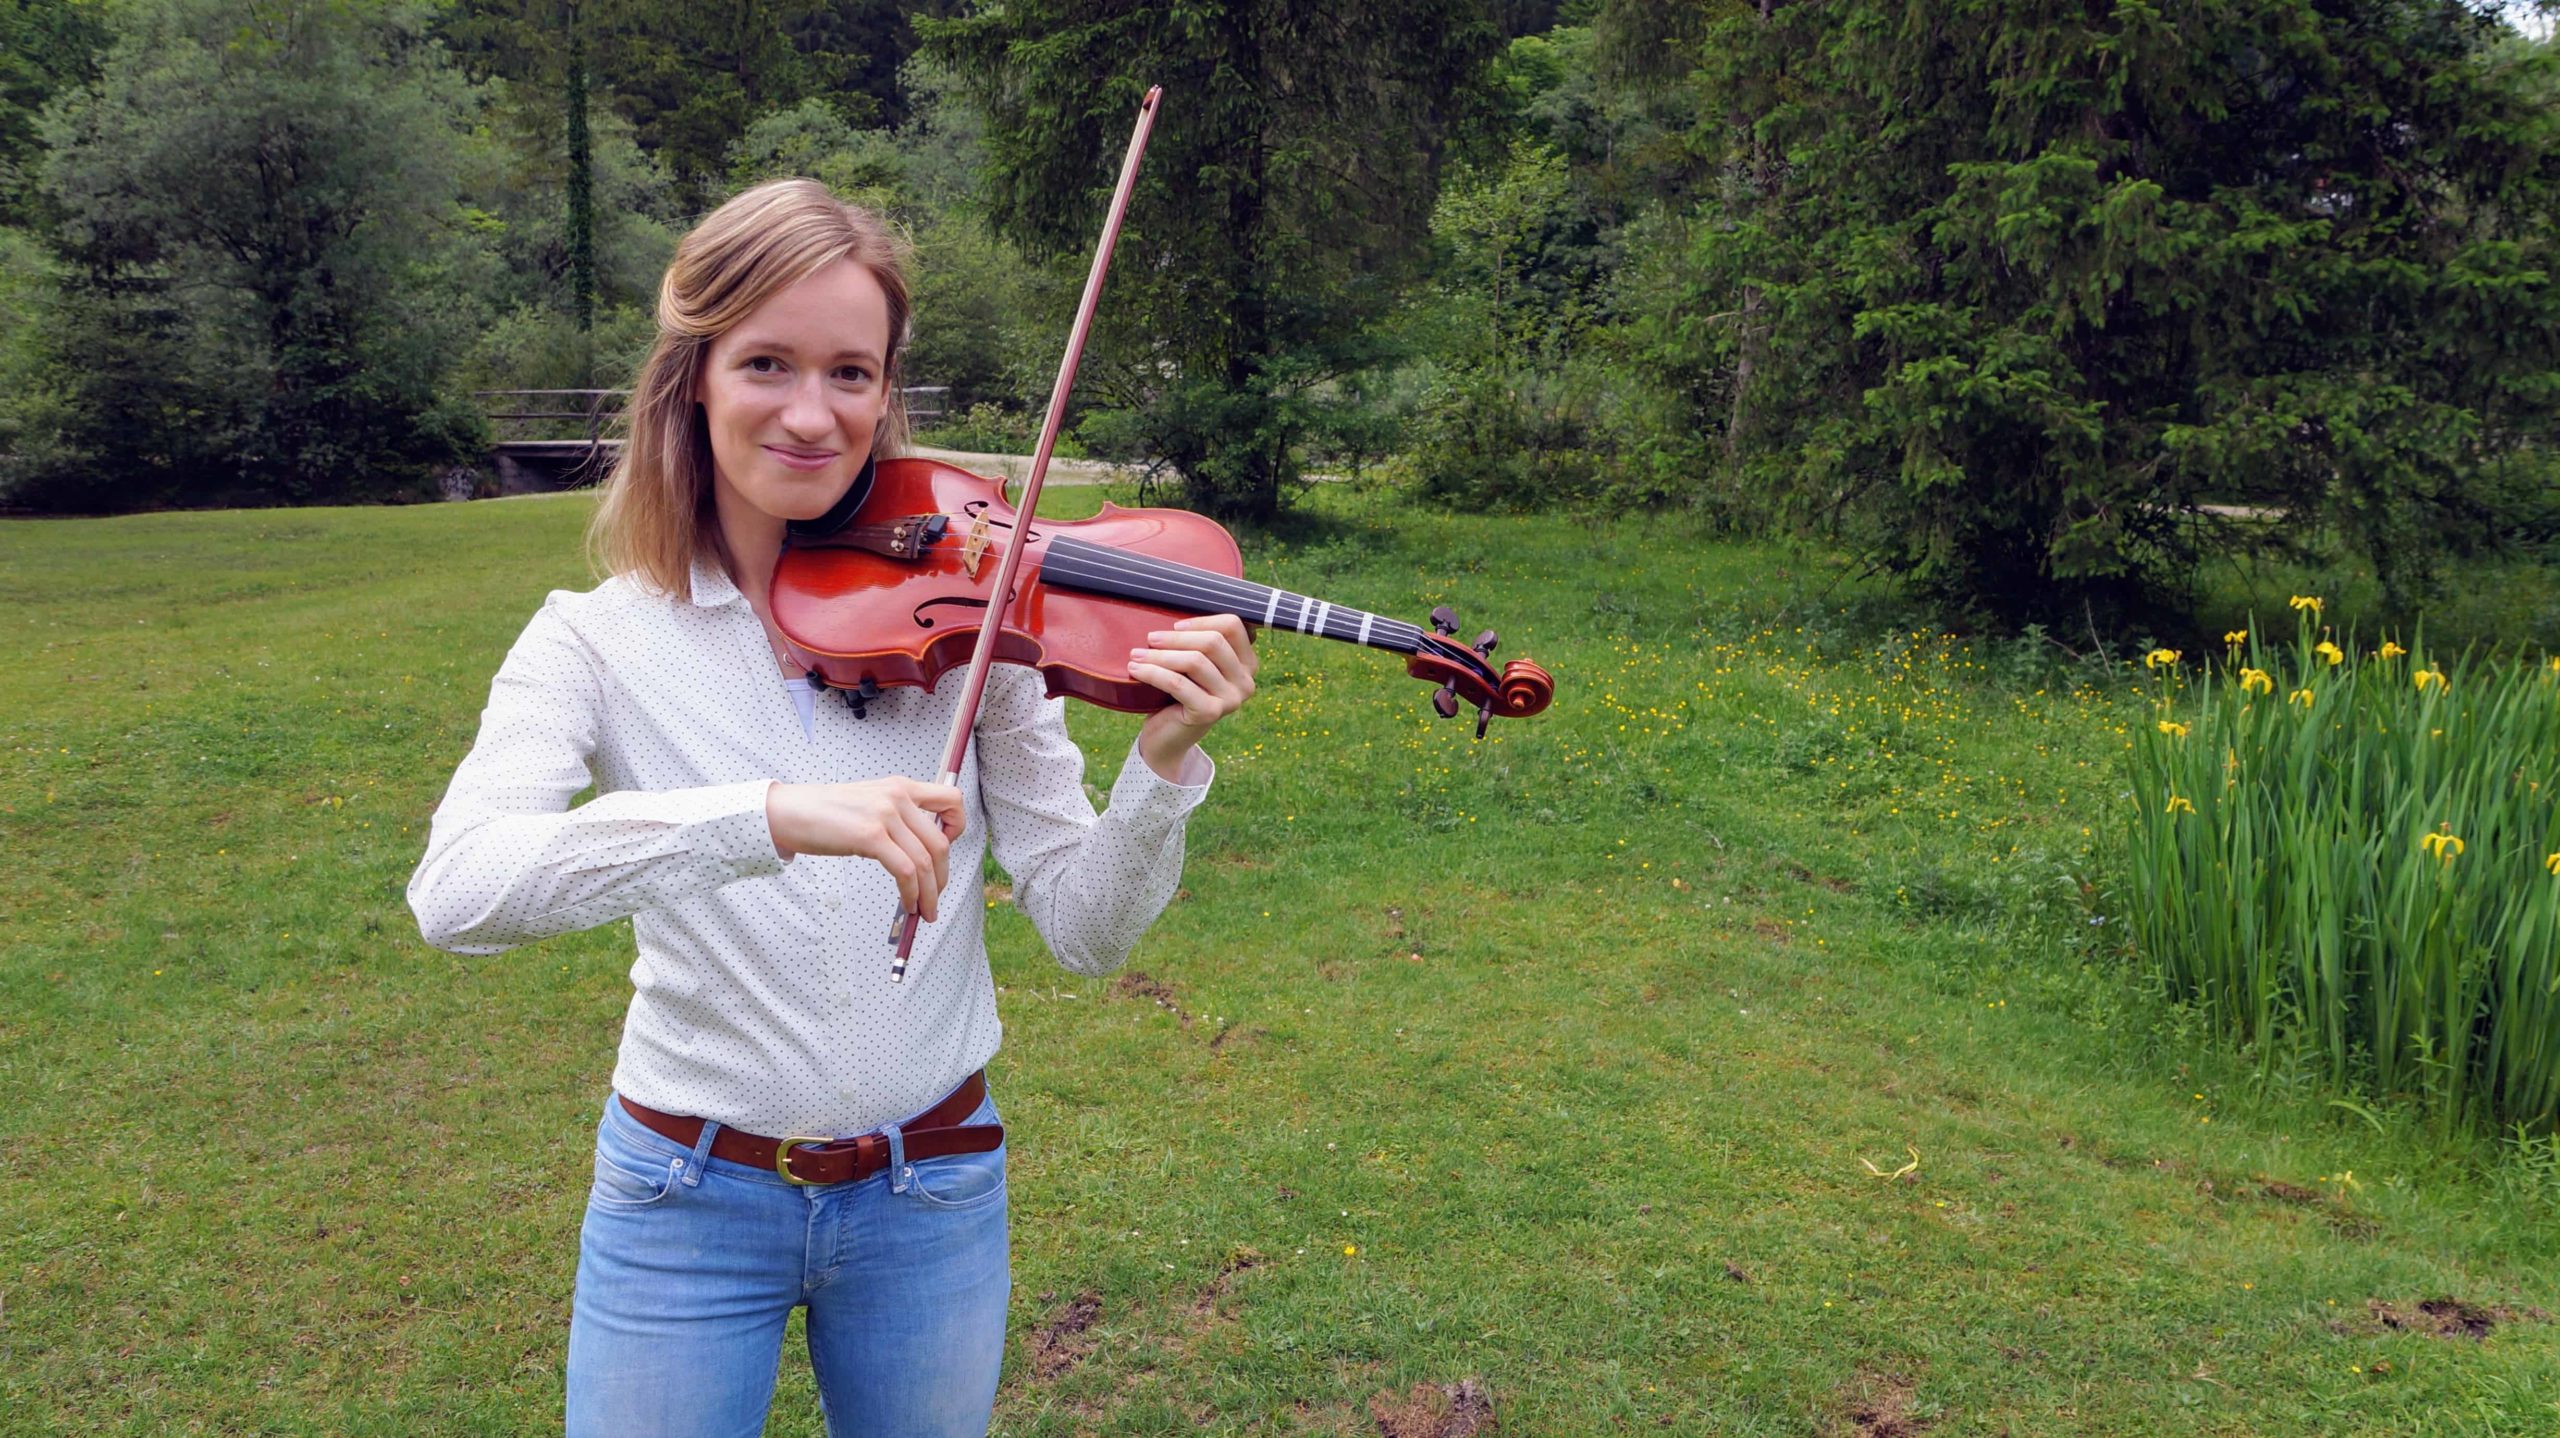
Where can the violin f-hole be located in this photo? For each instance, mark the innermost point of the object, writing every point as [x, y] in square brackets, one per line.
[964, 602]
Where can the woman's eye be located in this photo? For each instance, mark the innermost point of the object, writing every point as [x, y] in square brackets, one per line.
[853, 374]
[764, 364]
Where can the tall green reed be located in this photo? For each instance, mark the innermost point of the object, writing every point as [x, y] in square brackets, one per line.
[2358, 855]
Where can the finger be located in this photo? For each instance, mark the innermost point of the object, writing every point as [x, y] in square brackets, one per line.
[928, 831]
[1214, 643]
[884, 849]
[910, 842]
[945, 802]
[1201, 670]
[1198, 708]
[1237, 633]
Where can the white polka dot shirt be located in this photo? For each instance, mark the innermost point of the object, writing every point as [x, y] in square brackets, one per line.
[761, 995]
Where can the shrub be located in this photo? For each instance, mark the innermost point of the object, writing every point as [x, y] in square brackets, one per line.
[2355, 857]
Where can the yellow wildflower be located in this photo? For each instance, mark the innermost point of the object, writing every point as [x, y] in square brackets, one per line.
[2178, 805]
[2441, 844]
[2305, 601]
[2158, 657]
[2552, 863]
[2391, 650]
[2302, 697]
[2330, 652]
[2235, 637]
[2426, 677]
[2257, 680]
[2173, 730]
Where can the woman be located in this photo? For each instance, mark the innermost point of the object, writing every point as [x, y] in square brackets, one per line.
[787, 1127]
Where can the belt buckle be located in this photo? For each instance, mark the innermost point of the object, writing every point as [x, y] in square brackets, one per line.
[782, 1157]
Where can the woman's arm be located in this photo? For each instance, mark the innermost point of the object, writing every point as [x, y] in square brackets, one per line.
[509, 861]
[1091, 885]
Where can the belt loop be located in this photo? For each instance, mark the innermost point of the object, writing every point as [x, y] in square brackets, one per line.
[899, 1173]
[701, 1154]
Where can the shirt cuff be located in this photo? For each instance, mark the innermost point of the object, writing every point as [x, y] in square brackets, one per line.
[1143, 796]
[726, 823]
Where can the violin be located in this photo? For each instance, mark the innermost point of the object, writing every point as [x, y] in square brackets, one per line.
[891, 588]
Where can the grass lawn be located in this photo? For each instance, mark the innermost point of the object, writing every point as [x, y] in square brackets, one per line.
[1577, 1064]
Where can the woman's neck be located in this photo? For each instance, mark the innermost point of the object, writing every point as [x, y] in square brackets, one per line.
[753, 541]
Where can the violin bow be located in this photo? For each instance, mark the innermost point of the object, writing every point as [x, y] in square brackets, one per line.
[983, 657]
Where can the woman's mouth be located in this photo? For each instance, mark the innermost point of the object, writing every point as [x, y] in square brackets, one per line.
[802, 459]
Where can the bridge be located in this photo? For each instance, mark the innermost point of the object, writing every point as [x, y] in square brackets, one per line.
[554, 439]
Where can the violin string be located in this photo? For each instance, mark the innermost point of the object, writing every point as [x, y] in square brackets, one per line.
[1236, 595]
[1222, 593]
[1227, 587]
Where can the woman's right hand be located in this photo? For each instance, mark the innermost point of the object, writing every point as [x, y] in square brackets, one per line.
[905, 824]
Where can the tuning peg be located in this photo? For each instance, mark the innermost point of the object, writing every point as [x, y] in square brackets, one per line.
[1444, 620]
[1485, 643]
[859, 696]
[1484, 716]
[1445, 699]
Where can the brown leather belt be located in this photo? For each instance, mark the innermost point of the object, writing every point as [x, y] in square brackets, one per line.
[935, 1133]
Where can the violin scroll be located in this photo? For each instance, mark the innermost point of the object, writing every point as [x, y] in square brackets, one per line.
[1467, 676]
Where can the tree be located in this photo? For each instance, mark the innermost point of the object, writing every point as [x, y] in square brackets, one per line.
[2006, 291]
[267, 271]
[46, 46]
[1271, 223]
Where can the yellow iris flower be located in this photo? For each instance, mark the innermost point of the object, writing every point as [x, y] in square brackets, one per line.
[2257, 681]
[2330, 652]
[2305, 601]
[2158, 657]
[2173, 730]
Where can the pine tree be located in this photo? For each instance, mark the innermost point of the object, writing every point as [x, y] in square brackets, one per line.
[1286, 190]
[2006, 291]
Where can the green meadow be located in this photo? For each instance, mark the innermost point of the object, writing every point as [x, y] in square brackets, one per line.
[1748, 1045]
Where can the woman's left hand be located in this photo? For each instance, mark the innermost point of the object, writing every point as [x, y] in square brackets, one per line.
[1206, 663]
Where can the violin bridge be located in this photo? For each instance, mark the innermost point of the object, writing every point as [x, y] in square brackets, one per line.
[974, 548]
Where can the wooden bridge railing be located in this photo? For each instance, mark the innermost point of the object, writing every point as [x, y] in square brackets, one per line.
[548, 459]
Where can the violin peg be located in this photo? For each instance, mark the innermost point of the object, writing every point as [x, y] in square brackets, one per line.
[1445, 699]
[1485, 643]
[1444, 620]
[1484, 716]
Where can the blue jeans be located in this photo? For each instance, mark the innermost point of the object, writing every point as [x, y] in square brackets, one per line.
[689, 1266]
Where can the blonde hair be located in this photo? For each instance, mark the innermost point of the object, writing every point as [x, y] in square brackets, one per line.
[657, 516]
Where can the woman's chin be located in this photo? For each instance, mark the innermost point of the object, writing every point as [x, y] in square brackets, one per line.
[790, 494]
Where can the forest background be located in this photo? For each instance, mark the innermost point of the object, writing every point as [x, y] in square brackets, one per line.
[2045, 308]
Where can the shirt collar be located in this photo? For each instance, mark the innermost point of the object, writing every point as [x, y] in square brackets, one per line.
[711, 586]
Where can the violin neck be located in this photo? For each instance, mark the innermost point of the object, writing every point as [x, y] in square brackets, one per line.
[1101, 569]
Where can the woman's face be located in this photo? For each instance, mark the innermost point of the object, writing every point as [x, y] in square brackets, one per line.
[794, 392]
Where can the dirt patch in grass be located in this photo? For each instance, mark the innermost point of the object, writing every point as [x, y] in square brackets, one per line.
[1434, 1410]
[1237, 1262]
[1137, 985]
[1772, 930]
[2447, 1317]
[1062, 1343]
[1876, 1404]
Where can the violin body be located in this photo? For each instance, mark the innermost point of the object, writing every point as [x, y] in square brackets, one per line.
[895, 595]
[850, 612]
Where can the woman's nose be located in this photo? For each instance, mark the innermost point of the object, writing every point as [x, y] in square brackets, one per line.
[805, 412]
